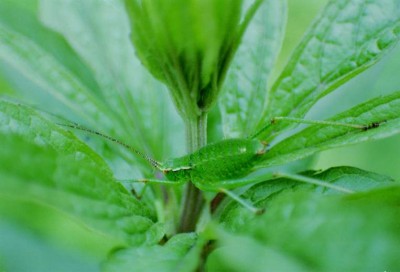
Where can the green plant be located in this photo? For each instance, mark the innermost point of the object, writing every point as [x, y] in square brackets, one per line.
[75, 59]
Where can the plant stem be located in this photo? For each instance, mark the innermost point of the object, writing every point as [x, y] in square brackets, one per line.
[193, 201]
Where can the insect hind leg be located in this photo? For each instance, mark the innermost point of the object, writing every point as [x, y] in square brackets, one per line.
[327, 123]
[270, 176]
[277, 119]
[242, 201]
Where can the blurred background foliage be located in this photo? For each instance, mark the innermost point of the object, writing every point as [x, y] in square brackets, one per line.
[53, 242]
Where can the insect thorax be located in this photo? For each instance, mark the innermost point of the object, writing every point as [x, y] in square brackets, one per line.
[177, 169]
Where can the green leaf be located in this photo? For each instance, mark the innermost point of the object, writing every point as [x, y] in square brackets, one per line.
[358, 232]
[384, 110]
[41, 162]
[53, 70]
[52, 225]
[241, 253]
[347, 38]
[92, 79]
[140, 105]
[356, 179]
[242, 96]
[180, 253]
[234, 216]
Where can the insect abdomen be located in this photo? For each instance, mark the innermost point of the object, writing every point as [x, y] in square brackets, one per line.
[228, 159]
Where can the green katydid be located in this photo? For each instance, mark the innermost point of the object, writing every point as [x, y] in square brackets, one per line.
[222, 165]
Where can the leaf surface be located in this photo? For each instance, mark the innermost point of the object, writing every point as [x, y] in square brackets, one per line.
[246, 83]
[81, 68]
[383, 110]
[99, 33]
[339, 229]
[180, 253]
[300, 222]
[41, 162]
[243, 253]
[47, 64]
[235, 216]
[346, 38]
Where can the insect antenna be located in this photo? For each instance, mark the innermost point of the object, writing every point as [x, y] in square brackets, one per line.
[153, 162]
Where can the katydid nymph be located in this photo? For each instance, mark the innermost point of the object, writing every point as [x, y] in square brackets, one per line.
[223, 165]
